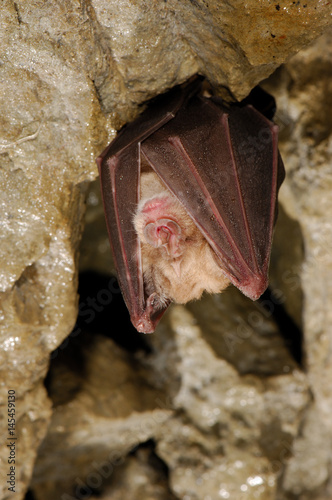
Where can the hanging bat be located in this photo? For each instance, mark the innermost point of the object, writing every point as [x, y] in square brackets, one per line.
[190, 198]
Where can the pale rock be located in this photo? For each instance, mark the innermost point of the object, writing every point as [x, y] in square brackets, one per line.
[71, 75]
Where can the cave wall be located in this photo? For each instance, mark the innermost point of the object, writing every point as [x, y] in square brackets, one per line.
[213, 405]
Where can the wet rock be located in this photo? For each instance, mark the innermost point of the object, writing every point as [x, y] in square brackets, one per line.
[206, 419]
[304, 96]
[71, 75]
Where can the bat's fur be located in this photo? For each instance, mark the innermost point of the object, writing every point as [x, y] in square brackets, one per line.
[187, 276]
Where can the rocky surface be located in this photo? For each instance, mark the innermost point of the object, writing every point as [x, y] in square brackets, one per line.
[204, 410]
[303, 89]
[206, 420]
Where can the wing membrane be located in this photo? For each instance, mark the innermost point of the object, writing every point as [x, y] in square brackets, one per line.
[227, 184]
[119, 168]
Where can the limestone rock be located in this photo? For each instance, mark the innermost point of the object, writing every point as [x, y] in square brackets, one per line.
[205, 418]
[72, 73]
[303, 89]
[47, 134]
[105, 405]
[224, 419]
[234, 44]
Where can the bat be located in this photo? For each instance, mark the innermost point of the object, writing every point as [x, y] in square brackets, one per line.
[190, 198]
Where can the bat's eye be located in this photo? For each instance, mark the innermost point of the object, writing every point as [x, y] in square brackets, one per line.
[165, 233]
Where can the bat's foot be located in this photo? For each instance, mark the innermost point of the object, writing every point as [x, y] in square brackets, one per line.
[144, 325]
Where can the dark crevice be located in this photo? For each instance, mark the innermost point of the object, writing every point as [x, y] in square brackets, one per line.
[17, 13]
[29, 495]
[290, 332]
[153, 459]
[67, 369]
[102, 310]
[159, 471]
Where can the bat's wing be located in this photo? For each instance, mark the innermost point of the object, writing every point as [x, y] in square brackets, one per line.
[119, 169]
[223, 165]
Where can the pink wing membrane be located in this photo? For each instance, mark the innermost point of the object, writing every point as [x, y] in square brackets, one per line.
[119, 169]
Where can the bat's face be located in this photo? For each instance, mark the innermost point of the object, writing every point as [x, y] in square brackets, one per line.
[202, 180]
[178, 262]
